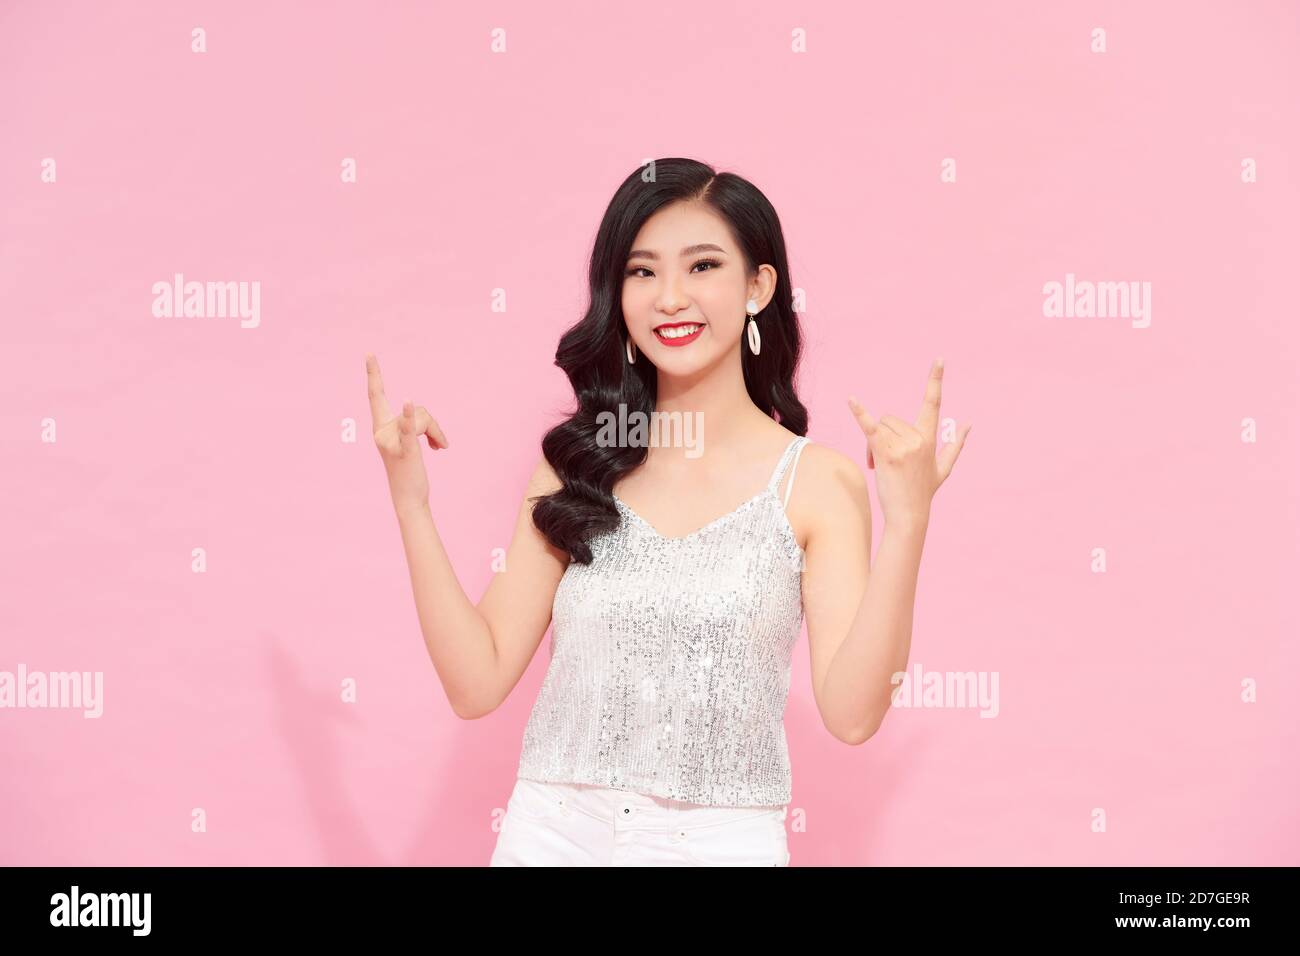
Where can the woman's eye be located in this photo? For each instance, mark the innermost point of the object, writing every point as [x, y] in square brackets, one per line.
[712, 263]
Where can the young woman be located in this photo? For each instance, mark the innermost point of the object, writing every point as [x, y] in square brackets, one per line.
[677, 574]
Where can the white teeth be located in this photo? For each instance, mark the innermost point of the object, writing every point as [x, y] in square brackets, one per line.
[678, 332]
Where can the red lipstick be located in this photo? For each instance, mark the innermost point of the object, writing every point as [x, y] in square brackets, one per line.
[679, 340]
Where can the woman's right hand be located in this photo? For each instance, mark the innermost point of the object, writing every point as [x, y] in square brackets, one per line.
[397, 436]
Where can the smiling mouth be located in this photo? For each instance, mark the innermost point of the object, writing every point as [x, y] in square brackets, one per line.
[678, 333]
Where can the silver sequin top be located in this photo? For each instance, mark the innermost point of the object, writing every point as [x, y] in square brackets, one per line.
[670, 659]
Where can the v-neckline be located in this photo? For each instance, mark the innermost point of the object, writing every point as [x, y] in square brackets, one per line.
[700, 530]
[773, 484]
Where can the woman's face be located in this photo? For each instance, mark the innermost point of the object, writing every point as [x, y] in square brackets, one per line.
[685, 270]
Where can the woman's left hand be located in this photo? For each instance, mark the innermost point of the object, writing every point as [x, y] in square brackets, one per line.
[907, 472]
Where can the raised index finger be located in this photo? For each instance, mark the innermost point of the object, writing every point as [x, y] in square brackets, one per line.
[379, 412]
[927, 422]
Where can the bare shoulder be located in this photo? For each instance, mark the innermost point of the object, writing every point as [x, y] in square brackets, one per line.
[829, 469]
[830, 489]
[544, 480]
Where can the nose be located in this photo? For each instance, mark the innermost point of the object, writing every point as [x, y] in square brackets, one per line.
[671, 301]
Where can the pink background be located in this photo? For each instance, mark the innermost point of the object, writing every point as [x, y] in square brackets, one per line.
[479, 171]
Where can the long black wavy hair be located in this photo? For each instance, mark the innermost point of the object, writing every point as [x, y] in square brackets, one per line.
[592, 352]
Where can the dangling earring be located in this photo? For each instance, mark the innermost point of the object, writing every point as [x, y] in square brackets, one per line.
[631, 351]
[751, 326]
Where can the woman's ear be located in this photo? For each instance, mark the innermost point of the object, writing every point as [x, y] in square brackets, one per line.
[763, 286]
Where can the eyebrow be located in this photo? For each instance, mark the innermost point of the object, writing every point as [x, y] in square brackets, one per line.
[688, 251]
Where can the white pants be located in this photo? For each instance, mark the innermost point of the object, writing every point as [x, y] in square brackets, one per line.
[578, 824]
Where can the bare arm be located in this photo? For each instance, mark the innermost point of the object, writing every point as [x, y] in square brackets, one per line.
[859, 611]
[834, 504]
[859, 616]
[479, 652]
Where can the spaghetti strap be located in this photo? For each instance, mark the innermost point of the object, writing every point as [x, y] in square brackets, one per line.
[781, 464]
[792, 452]
[793, 468]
